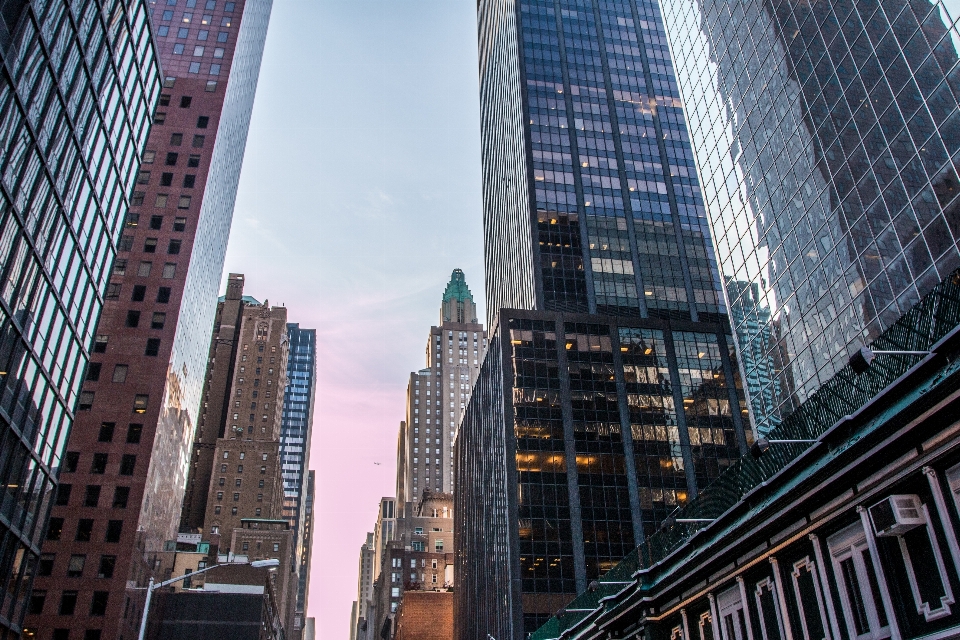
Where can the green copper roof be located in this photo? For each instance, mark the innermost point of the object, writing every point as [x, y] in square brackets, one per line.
[457, 288]
[247, 299]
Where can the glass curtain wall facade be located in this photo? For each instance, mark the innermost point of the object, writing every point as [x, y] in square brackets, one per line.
[827, 134]
[77, 90]
[296, 425]
[610, 394]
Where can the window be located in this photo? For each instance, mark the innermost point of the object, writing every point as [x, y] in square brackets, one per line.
[166, 179]
[193, 161]
[144, 176]
[197, 51]
[71, 461]
[63, 494]
[233, 511]
[858, 585]
[218, 52]
[84, 530]
[733, 624]
[135, 430]
[222, 36]
[259, 497]
[139, 293]
[198, 142]
[246, 546]
[163, 295]
[159, 319]
[120, 497]
[127, 463]
[75, 566]
[236, 497]
[176, 139]
[99, 464]
[119, 268]
[98, 606]
[133, 318]
[178, 49]
[219, 495]
[185, 102]
[438, 545]
[93, 371]
[184, 202]
[140, 402]
[113, 288]
[189, 180]
[100, 344]
[225, 21]
[194, 67]
[164, 30]
[107, 564]
[150, 245]
[167, 15]
[153, 347]
[806, 588]
[179, 224]
[182, 32]
[143, 271]
[37, 599]
[169, 271]
[54, 530]
[174, 247]
[203, 35]
[126, 243]
[107, 428]
[211, 86]
[207, 19]
[216, 510]
[68, 603]
[187, 17]
[276, 546]
[114, 529]
[238, 482]
[161, 201]
[222, 481]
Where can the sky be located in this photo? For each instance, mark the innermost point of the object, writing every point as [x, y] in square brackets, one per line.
[359, 195]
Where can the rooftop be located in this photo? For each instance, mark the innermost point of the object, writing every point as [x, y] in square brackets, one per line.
[457, 287]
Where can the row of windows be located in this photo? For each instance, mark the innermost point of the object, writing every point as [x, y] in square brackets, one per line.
[91, 496]
[143, 271]
[184, 32]
[68, 606]
[140, 400]
[98, 464]
[84, 532]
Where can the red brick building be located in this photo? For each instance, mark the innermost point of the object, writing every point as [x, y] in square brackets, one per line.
[425, 615]
[128, 452]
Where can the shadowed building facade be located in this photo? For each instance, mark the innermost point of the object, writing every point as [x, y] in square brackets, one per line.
[78, 86]
[142, 395]
[609, 394]
[827, 136]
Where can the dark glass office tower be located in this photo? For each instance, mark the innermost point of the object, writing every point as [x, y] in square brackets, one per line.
[827, 134]
[296, 426]
[78, 85]
[609, 394]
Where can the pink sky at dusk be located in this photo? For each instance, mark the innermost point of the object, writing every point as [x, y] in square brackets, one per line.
[360, 194]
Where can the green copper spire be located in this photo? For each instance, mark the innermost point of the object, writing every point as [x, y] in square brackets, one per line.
[458, 305]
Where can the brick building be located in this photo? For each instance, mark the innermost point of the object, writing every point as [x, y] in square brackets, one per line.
[425, 615]
[129, 449]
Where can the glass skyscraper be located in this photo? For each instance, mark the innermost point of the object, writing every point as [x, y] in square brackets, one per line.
[827, 134]
[609, 394]
[78, 85]
[296, 425]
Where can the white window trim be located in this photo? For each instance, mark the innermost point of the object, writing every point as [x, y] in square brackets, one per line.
[947, 599]
[730, 603]
[767, 584]
[805, 564]
[852, 543]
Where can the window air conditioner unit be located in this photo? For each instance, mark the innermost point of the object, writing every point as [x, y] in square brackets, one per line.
[896, 515]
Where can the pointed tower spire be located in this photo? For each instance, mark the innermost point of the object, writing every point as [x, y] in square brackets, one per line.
[458, 305]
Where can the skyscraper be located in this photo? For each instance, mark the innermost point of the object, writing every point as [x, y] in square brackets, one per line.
[130, 446]
[296, 424]
[824, 133]
[609, 395]
[78, 86]
[437, 395]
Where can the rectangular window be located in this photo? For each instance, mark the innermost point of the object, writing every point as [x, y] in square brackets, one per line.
[193, 161]
[98, 606]
[75, 565]
[92, 497]
[176, 139]
[127, 464]
[133, 433]
[198, 142]
[71, 461]
[203, 35]
[114, 529]
[159, 319]
[120, 373]
[107, 564]
[218, 52]
[133, 219]
[161, 116]
[54, 530]
[63, 494]
[139, 293]
[169, 270]
[215, 69]
[857, 581]
[140, 402]
[106, 430]
[126, 243]
[143, 177]
[179, 224]
[93, 371]
[197, 51]
[150, 245]
[174, 247]
[133, 318]
[45, 567]
[184, 202]
[211, 86]
[161, 202]
[113, 289]
[171, 159]
[68, 603]
[37, 599]
[143, 271]
[119, 267]
[185, 102]
[166, 179]
[100, 344]
[153, 347]
[120, 497]
[202, 122]
[194, 67]
[84, 530]
[189, 180]
[222, 36]
[99, 463]
[163, 295]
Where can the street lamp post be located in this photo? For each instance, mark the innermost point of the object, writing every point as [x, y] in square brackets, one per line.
[153, 587]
